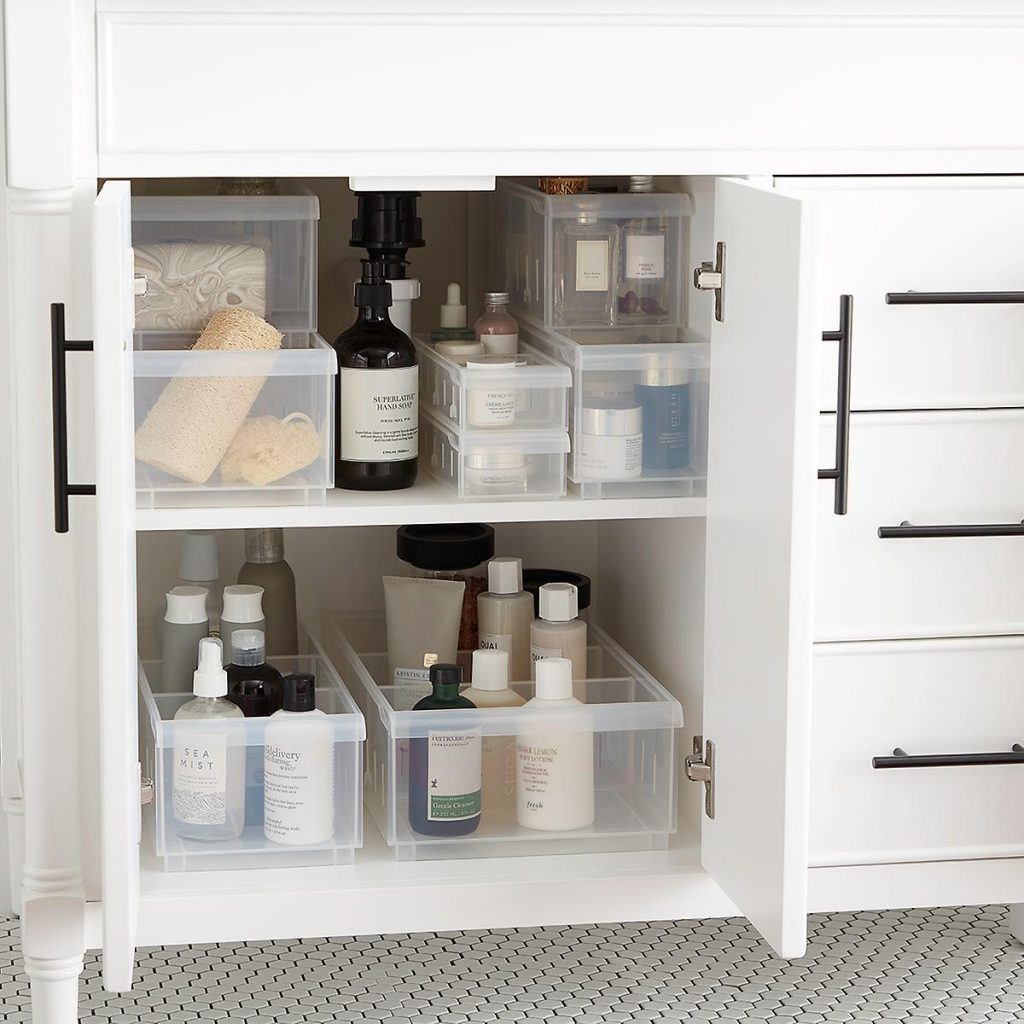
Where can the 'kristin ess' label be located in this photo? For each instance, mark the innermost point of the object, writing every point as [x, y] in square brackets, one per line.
[454, 774]
[645, 257]
[378, 414]
[592, 265]
[201, 780]
[495, 642]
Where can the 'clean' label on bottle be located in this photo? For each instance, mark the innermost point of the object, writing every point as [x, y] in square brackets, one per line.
[645, 257]
[379, 413]
[454, 773]
[200, 780]
[495, 642]
[592, 265]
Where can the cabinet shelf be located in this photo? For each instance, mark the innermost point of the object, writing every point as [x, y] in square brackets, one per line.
[428, 502]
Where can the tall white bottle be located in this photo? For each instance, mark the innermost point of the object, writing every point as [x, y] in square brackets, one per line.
[558, 633]
[298, 768]
[208, 788]
[505, 614]
[555, 768]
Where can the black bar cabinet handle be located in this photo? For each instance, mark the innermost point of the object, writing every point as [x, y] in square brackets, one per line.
[951, 298]
[59, 347]
[841, 472]
[906, 529]
[901, 759]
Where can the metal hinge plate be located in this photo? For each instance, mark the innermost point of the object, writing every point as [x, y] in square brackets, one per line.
[700, 767]
[710, 277]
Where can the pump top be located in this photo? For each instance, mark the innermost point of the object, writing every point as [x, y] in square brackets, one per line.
[386, 226]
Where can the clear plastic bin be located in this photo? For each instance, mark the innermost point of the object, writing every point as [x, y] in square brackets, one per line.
[530, 396]
[200, 253]
[488, 465]
[592, 259]
[212, 447]
[633, 719]
[664, 373]
[243, 740]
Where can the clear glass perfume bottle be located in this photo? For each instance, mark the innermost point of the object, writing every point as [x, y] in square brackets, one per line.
[585, 258]
[642, 294]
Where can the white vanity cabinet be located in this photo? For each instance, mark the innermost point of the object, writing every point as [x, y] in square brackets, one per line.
[801, 643]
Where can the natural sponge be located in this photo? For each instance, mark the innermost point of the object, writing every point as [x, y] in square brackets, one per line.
[267, 449]
[192, 423]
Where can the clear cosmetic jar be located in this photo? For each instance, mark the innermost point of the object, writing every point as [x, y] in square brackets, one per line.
[493, 402]
[496, 472]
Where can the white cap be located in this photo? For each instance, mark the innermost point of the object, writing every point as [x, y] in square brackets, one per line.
[490, 670]
[559, 602]
[210, 679]
[243, 603]
[554, 678]
[186, 605]
[405, 290]
[248, 647]
[505, 575]
[453, 311]
[199, 562]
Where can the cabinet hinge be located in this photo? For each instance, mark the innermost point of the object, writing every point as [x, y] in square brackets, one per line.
[700, 767]
[710, 277]
[145, 791]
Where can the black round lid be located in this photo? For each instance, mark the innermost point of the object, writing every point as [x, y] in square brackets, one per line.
[445, 545]
[253, 697]
[534, 579]
[445, 675]
[299, 692]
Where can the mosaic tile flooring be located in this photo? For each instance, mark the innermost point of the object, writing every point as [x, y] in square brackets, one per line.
[942, 966]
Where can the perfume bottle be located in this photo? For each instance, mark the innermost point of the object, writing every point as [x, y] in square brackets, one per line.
[642, 289]
[585, 258]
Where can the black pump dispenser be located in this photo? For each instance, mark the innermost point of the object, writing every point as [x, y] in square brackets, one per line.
[386, 226]
[373, 290]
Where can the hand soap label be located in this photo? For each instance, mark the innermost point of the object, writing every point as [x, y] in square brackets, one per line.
[454, 772]
[645, 257]
[200, 780]
[379, 413]
[592, 265]
[495, 642]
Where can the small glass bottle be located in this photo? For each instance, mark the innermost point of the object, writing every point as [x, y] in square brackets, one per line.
[584, 278]
[642, 293]
[496, 330]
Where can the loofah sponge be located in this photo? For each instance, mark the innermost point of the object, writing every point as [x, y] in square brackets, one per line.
[267, 449]
[191, 424]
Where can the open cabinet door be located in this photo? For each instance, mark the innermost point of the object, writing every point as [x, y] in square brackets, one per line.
[113, 319]
[760, 526]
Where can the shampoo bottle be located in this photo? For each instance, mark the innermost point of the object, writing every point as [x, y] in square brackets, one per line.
[555, 768]
[298, 768]
[243, 609]
[199, 566]
[505, 613]
[185, 624]
[558, 633]
[445, 765]
[208, 787]
[265, 567]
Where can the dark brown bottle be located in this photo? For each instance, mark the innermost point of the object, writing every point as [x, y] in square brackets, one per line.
[377, 395]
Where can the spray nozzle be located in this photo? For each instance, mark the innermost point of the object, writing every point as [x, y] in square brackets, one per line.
[210, 679]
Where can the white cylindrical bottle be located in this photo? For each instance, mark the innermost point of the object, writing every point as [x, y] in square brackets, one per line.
[243, 609]
[199, 566]
[298, 769]
[185, 624]
[555, 768]
[558, 633]
[505, 613]
[208, 771]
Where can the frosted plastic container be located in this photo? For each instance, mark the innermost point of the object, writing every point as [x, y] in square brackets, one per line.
[275, 233]
[488, 465]
[530, 230]
[298, 382]
[531, 396]
[634, 720]
[160, 735]
[611, 364]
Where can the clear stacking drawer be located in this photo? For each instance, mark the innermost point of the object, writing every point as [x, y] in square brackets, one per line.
[233, 427]
[629, 721]
[638, 411]
[488, 465]
[592, 259]
[322, 819]
[531, 395]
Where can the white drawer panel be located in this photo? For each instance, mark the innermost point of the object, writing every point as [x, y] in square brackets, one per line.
[926, 697]
[936, 468]
[922, 234]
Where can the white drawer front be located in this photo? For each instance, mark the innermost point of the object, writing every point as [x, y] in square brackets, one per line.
[935, 468]
[923, 234]
[926, 697]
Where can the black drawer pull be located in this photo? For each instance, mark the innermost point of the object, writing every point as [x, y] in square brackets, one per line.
[906, 529]
[951, 298]
[59, 348]
[841, 472]
[901, 759]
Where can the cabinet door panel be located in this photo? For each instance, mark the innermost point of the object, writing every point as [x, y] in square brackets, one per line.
[760, 523]
[113, 317]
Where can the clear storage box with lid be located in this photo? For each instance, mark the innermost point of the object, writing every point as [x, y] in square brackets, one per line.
[633, 720]
[638, 410]
[599, 258]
